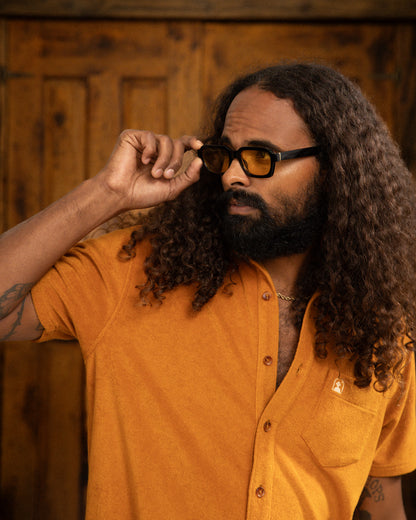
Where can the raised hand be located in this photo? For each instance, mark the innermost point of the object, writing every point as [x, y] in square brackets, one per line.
[143, 167]
[142, 171]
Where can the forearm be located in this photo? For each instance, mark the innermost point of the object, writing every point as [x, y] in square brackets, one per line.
[28, 250]
[140, 173]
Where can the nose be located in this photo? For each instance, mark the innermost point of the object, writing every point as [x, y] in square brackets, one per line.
[234, 177]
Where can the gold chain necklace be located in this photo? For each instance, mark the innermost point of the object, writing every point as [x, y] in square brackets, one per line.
[285, 298]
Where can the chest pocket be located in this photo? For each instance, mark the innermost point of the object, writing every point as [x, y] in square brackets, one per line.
[343, 423]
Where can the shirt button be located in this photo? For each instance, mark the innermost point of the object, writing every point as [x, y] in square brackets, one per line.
[260, 492]
[266, 296]
[267, 426]
[268, 360]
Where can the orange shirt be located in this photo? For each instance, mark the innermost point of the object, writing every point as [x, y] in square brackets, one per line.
[184, 421]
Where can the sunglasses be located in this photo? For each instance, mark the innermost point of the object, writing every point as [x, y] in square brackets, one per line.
[254, 160]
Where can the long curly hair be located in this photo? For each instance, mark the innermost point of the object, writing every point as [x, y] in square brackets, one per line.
[363, 270]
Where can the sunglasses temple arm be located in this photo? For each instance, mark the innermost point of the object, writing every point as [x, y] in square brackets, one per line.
[301, 152]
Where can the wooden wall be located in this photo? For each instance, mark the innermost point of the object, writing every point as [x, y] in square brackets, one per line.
[252, 10]
[67, 88]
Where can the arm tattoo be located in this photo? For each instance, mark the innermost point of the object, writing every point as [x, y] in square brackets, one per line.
[9, 299]
[372, 490]
[17, 322]
[375, 488]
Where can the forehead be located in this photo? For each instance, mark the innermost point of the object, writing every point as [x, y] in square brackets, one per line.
[256, 115]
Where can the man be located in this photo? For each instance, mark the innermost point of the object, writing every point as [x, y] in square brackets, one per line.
[248, 346]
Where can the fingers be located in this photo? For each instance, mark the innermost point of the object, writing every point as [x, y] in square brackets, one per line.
[147, 146]
[163, 153]
[169, 158]
[191, 142]
[171, 153]
[162, 156]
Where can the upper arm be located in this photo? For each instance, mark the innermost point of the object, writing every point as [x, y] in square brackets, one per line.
[22, 323]
[381, 499]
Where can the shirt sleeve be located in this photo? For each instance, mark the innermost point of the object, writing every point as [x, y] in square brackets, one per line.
[396, 451]
[80, 292]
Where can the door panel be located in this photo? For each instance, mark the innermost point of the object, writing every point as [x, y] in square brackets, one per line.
[365, 53]
[78, 85]
[84, 82]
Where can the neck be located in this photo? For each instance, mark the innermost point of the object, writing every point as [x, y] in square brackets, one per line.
[284, 272]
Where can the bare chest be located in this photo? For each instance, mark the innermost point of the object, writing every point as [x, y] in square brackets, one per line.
[288, 342]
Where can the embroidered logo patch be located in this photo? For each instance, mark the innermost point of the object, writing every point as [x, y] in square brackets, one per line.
[338, 385]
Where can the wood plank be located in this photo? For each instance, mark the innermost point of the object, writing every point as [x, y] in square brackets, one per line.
[87, 48]
[22, 410]
[405, 95]
[24, 159]
[104, 54]
[2, 121]
[103, 120]
[20, 392]
[61, 387]
[185, 63]
[41, 445]
[145, 104]
[64, 149]
[363, 52]
[2, 219]
[213, 10]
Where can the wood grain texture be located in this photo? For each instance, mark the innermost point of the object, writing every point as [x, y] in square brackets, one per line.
[77, 85]
[64, 135]
[215, 10]
[61, 428]
[114, 68]
[24, 154]
[42, 442]
[145, 104]
[19, 440]
[365, 53]
[2, 118]
[405, 95]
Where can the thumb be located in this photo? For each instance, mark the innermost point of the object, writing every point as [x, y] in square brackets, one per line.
[186, 178]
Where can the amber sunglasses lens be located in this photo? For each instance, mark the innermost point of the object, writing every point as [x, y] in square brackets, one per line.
[256, 161]
[215, 159]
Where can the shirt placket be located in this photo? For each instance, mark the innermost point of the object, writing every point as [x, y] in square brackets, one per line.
[272, 405]
[261, 482]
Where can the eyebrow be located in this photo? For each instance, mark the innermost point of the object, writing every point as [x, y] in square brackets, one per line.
[263, 143]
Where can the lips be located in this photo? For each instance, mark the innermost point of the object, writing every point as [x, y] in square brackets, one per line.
[240, 202]
[239, 207]
[235, 202]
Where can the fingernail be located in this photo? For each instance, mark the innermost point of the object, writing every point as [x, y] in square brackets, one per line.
[158, 172]
[169, 173]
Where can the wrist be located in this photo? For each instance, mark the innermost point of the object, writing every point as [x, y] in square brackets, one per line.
[107, 198]
[115, 190]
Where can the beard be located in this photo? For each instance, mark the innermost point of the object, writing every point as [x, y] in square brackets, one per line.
[290, 229]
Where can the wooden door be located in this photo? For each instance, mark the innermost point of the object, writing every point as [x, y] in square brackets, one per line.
[72, 87]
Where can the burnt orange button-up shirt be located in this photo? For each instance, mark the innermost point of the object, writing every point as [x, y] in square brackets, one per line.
[184, 422]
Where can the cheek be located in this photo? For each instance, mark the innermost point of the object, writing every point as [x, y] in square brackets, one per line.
[292, 178]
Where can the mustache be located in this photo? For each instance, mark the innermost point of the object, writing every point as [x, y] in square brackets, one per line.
[242, 197]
